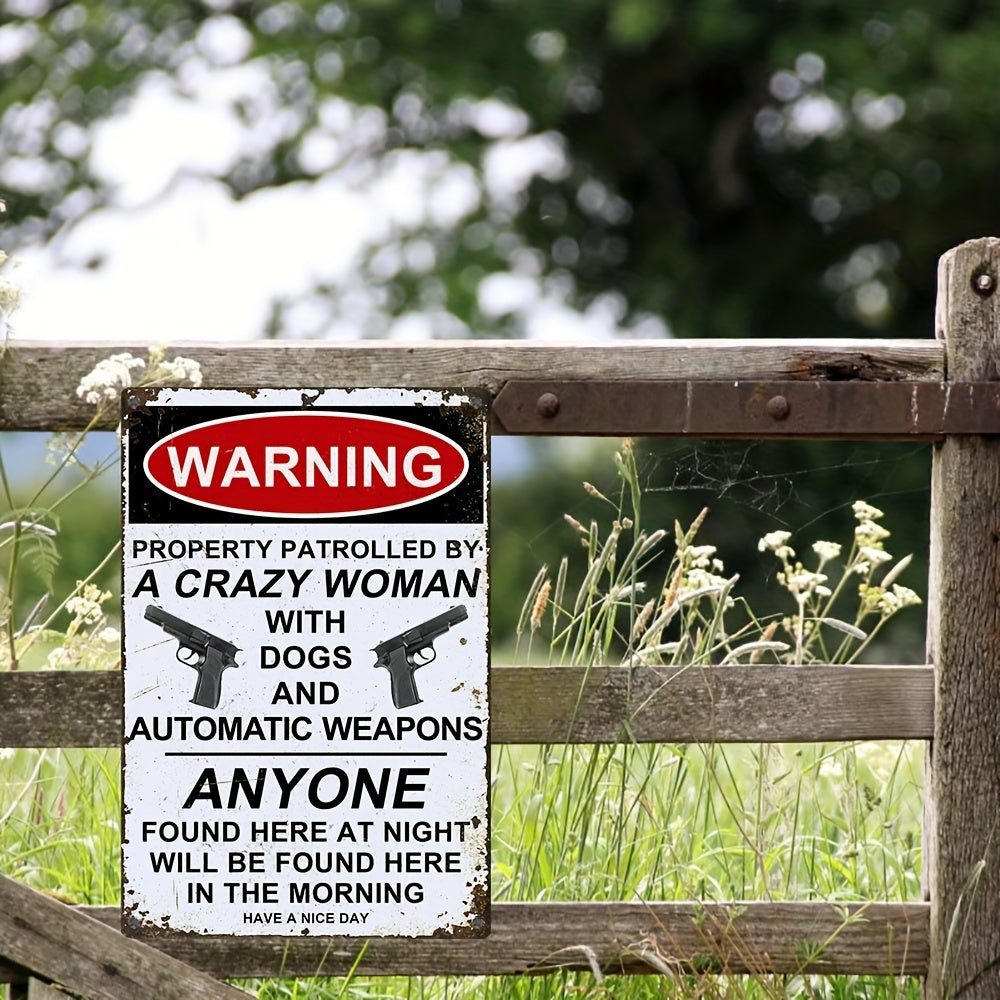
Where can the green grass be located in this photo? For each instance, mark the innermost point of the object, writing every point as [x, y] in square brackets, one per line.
[650, 822]
[713, 822]
[59, 822]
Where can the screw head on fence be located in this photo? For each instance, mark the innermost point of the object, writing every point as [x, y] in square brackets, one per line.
[778, 407]
[548, 404]
[984, 284]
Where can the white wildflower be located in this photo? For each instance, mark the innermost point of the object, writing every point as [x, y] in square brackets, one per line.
[826, 550]
[699, 578]
[870, 533]
[60, 449]
[699, 556]
[180, 370]
[105, 383]
[699, 582]
[868, 537]
[60, 657]
[868, 557]
[889, 602]
[864, 511]
[777, 542]
[905, 596]
[871, 597]
[110, 635]
[803, 584]
[85, 607]
[873, 555]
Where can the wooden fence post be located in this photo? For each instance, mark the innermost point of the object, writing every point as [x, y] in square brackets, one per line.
[961, 834]
[62, 944]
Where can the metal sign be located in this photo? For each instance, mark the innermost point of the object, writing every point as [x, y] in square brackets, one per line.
[305, 662]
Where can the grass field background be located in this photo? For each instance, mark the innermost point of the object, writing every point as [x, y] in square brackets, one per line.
[626, 822]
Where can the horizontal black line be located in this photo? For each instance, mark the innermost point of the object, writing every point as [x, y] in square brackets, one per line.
[303, 753]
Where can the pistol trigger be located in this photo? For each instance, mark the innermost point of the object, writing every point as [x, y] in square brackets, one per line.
[194, 657]
[424, 655]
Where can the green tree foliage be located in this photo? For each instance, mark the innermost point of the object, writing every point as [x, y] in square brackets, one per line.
[762, 169]
[730, 169]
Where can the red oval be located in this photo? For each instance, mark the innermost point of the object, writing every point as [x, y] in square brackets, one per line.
[306, 464]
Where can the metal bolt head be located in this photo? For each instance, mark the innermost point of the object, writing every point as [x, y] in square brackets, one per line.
[777, 407]
[984, 284]
[548, 404]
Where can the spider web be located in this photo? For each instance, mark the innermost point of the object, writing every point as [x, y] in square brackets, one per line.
[750, 488]
[772, 479]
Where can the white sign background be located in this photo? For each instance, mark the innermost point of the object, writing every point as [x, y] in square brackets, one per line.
[222, 833]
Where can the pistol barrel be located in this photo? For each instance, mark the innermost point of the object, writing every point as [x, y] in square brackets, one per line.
[444, 621]
[186, 631]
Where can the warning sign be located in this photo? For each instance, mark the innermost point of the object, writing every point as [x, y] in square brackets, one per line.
[305, 662]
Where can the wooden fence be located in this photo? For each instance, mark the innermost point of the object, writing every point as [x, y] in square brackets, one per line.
[943, 388]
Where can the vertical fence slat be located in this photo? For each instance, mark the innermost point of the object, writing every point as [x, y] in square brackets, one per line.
[962, 839]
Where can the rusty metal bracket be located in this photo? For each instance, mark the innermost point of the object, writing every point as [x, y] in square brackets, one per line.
[749, 409]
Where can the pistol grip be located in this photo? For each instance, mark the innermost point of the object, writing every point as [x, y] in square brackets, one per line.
[404, 690]
[208, 689]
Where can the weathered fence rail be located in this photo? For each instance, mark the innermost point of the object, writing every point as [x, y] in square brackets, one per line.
[729, 704]
[619, 937]
[38, 381]
[945, 389]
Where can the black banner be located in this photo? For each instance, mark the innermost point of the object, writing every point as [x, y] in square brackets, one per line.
[150, 423]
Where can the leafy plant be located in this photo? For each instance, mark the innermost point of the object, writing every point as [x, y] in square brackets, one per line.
[31, 530]
[696, 615]
[711, 822]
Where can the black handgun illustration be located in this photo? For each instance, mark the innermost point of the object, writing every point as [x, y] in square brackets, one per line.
[207, 653]
[402, 654]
